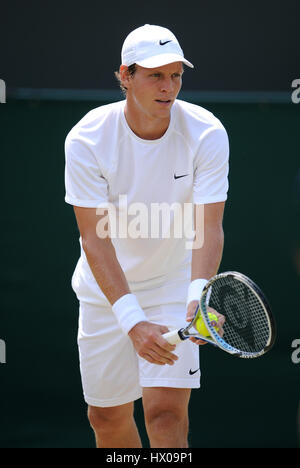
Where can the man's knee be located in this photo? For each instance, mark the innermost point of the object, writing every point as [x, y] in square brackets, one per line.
[109, 419]
[166, 411]
[164, 420]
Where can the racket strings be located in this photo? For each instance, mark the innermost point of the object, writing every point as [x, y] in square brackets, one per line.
[247, 326]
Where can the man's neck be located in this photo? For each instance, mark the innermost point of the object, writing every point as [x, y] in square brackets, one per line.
[144, 126]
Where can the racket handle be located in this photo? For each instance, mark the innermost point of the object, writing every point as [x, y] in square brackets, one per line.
[172, 337]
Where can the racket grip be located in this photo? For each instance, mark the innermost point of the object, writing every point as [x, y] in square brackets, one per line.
[172, 337]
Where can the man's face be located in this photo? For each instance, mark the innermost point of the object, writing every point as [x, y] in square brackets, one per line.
[152, 91]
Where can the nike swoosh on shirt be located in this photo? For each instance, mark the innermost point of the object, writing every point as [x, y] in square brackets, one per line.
[179, 176]
[193, 372]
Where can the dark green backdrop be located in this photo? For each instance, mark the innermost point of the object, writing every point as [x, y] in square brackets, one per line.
[41, 405]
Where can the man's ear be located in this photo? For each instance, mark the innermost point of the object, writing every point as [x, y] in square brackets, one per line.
[124, 76]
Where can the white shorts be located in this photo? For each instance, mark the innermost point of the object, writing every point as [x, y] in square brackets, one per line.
[111, 371]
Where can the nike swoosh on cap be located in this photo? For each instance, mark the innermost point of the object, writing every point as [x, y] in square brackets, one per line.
[163, 43]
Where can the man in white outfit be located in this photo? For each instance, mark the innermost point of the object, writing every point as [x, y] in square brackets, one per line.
[137, 278]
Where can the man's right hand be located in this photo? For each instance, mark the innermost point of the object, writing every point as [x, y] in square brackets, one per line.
[150, 345]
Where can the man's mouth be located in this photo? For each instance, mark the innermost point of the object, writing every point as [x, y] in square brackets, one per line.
[163, 101]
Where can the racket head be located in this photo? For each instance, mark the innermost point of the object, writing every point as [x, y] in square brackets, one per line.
[249, 329]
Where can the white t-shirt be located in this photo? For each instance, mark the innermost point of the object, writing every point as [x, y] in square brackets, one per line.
[149, 185]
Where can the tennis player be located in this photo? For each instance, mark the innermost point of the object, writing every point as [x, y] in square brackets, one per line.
[135, 279]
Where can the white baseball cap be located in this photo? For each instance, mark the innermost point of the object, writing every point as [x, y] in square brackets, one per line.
[152, 46]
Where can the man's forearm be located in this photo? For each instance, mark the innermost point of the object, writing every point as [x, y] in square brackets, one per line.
[206, 260]
[106, 269]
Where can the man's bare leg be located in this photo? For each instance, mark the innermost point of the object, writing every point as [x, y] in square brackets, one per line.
[166, 416]
[114, 427]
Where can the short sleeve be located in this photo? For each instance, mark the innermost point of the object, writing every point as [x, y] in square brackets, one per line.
[85, 184]
[211, 167]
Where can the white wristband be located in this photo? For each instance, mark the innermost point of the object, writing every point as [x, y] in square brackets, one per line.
[128, 312]
[195, 290]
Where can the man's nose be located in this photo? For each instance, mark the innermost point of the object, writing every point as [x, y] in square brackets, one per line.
[166, 85]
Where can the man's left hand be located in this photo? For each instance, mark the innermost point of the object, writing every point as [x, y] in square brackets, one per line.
[191, 313]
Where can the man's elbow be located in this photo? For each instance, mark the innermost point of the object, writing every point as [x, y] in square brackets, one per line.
[216, 235]
[220, 234]
[93, 245]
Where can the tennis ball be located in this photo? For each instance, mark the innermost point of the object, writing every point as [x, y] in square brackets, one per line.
[200, 325]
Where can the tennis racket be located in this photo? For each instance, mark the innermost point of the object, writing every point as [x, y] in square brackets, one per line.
[249, 328]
